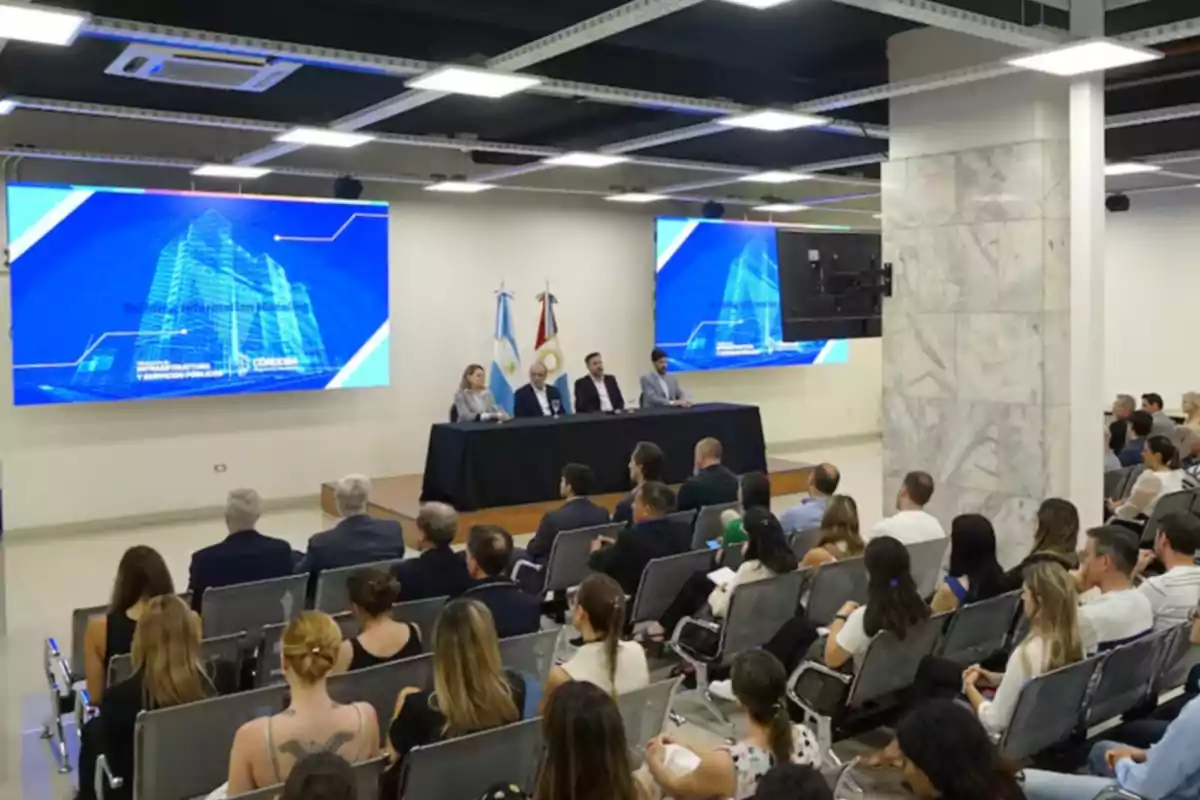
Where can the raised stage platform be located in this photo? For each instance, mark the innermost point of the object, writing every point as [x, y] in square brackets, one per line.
[398, 497]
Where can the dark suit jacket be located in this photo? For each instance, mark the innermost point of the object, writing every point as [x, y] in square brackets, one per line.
[636, 547]
[436, 572]
[525, 402]
[1118, 430]
[242, 557]
[588, 399]
[355, 540]
[1131, 453]
[709, 487]
[623, 511]
[578, 512]
[515, 611]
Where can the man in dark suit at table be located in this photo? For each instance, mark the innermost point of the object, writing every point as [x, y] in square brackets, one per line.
[713, 483]
[438, 571]
[358, 538]
[577, 512]
[244, 555]
[597, 391]
[515, 612]
[652, 536]
[538, 398]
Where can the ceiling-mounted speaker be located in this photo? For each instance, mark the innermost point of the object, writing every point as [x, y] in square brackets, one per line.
[1117, 203]
[347, 188]
[712, 210]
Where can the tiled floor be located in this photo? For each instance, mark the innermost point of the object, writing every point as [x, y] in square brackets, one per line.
[49, 576]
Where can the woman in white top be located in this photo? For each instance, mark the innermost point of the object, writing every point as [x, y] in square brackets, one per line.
[614, 665]
[767, 554]
[473, 402]
[1161, 476]
[1050, 603]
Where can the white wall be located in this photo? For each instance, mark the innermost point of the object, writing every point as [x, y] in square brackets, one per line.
[1152, 284]
[88, 462]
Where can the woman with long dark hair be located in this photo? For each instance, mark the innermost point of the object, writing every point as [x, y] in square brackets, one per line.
[1161, 476]
[949, 756]
[1055, 538]
[754, 491]
[587, 757]
[974, 572]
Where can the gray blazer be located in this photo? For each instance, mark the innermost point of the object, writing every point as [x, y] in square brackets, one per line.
[472, 406]
[652, 390]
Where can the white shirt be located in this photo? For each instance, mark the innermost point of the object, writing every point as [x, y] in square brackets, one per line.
[1027, 661]
[853, 636]
[909, 527]
[749, 572]
[544, 401]
[590, 663]
[1114, 619]
[602, 390]
[1147, 490]
[1172, 596]
[666, 389]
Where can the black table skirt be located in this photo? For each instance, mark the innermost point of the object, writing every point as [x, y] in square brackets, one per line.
[473, 465]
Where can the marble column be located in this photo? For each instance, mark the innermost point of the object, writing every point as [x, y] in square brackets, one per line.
[976, 335]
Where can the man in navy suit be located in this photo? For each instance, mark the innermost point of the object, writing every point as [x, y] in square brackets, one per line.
[577, 512]
[537, 398]
[358, 538]
[244, 556]
[438, 571]
[515, 612]
[597, 391]
[652, 536]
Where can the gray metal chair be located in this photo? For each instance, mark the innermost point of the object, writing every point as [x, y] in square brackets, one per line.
[1047, 711]
[1119, 482]
[803, 541]
[532, 654]
[182, 752]
[1168, 504]
[1125, 678]
[221, 648]
[465, 767]
[250, 606]
[380, 685]
[422, 613]
[832, 585]
[567, 564]
[1178, 658]
[979, 630]
[366, 783]
[662, 579]
[683, 518]
[333, 597]
[644, 715]
[926, 559]
[708, 525]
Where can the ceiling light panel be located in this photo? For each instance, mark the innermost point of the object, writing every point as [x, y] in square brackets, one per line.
[459, 187]
[322, 137]
[1130, 168]
[759, 4]
[40, 25]
[771, 120]
[474, 82]
[230, 171]
[7, 106]
[636, 197]
[1081, 58]
[587, 160]
[775, 176]
[781, 208]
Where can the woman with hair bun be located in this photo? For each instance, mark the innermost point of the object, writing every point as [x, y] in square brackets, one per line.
[266, 749]
[373, 591]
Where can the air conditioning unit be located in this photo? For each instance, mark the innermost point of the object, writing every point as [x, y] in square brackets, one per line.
[205, 68]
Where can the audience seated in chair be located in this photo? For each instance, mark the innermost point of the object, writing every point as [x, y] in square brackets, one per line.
[754, 491]
[646, 464]
[358, 538]
[712, 484]
[793, 782]
[1121, 613]
[1122, 410]
[438, 571]
[514, 612]
[974, 572]
[1169, 770]
[911, 523]
[760, 685]
[840, 536]
[1140, 426]
[321, 776]
[614, 665]
[167, 672]
[244, 555]
[587, 755]
[373, 591]
[577, 512]
[141, 576]
[266, 749]
[807, 515]
[948, 755]
[1175, 593]
[652, 536]
[1111, 462]
[1152, 404]
[1055, 538]
[1161, 476]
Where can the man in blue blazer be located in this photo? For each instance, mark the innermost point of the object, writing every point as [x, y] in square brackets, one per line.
[515, 612]
[244, 556]
[660, 389]
[358, 538]
[577, 512]
[538, 398]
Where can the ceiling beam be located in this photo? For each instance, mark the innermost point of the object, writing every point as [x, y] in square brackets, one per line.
[1113, 5]
[1152, 116]
[939, 15]
[1160, 34]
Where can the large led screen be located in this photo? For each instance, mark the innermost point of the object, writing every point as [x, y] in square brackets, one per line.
[121, 294]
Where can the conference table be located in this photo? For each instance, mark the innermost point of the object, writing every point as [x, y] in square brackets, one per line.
[473, 465]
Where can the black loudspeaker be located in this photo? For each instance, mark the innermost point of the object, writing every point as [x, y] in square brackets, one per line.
[347, 188]
[712, 210]
[1117, 203]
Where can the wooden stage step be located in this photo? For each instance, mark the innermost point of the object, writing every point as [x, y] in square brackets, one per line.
[398, 497]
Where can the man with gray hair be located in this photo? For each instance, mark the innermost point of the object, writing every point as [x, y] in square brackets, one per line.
[1122, 407]
[244, 556]
[439, 571]
[358, 538]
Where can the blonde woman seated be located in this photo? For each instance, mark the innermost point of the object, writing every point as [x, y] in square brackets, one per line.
[840, 537]
[266, 749]
[1160, 477]
[473, 402]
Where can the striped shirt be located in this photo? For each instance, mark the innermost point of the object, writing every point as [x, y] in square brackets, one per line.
[1173, 595]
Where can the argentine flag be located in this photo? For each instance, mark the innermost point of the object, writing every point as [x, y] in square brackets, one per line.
[506, 361]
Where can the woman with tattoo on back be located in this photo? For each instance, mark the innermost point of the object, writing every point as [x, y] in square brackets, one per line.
[266, 749]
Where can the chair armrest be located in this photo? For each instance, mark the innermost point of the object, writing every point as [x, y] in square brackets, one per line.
[683, 652]
[526, 564]
[812, 666]
[1116, 793]
[104, 777]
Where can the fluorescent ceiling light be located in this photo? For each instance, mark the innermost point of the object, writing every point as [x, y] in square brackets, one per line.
[589, 160]
[760, 4]
[41, 25]
[476, 82]
[1080, 58]
[769, 120]
[230, 171]
[1130, 168]
[6, 106]
[459, 187]
[636, 197]
[781, 208]
[776, 176]
[322, 137]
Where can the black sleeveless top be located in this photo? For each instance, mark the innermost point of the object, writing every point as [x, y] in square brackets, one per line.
[362, 659]
[118, 639]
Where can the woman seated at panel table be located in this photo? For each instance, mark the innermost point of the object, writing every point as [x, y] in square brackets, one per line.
[839, 536]
[1161, 476]
[373, 591]
[473, 402]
